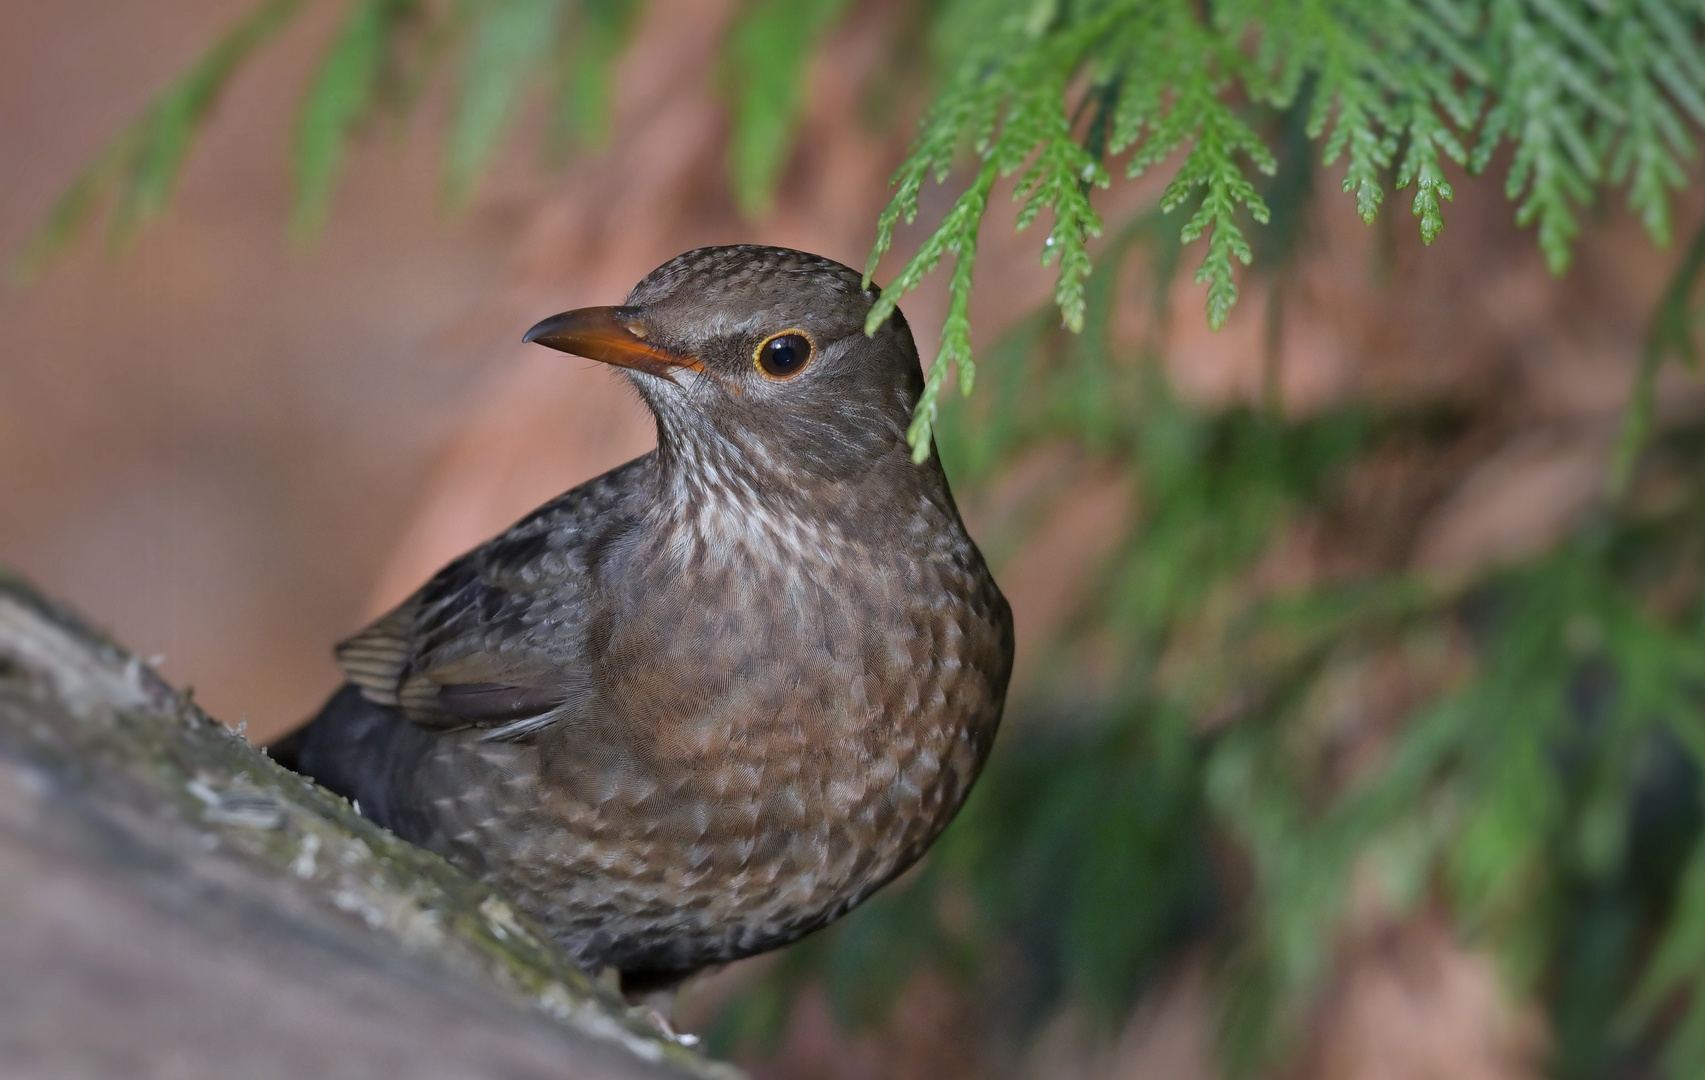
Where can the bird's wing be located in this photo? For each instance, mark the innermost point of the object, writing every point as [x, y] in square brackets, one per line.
[497, 639]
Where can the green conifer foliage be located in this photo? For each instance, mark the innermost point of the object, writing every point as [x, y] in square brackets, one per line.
[1584, 94]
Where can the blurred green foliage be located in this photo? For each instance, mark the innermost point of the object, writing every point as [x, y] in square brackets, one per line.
[493, 54]
[139, 168]
[1176, 782]
[764, 63]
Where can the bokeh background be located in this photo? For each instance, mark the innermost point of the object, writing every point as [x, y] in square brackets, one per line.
[230, 447]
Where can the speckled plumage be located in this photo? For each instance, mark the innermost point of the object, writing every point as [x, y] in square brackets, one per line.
[707, 702]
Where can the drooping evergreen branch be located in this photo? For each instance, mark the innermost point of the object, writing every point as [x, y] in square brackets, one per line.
[1583, 94]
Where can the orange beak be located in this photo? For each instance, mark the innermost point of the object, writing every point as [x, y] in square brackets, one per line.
[610, 335]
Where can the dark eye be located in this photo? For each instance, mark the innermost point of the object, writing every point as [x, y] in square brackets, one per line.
[784, 355]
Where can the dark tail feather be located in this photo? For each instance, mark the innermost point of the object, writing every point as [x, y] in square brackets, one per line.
[364, 752]
[287, 749]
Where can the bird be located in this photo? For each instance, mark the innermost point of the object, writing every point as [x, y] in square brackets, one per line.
[708, 702]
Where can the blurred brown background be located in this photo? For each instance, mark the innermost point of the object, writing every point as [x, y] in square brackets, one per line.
[209, 442]
[230, 450]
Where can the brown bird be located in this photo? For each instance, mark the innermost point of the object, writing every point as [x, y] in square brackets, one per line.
[708, 702]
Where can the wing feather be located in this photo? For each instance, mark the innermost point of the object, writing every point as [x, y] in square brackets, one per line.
[496, 640]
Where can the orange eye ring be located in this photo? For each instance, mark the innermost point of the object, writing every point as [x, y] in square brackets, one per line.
[784, 354]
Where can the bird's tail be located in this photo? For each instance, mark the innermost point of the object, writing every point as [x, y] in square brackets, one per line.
[287, 749]
[363, 751]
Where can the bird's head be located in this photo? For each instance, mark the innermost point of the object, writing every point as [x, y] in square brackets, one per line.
[754, 359]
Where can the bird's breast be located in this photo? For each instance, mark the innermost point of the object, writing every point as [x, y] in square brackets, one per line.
[819, 710]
